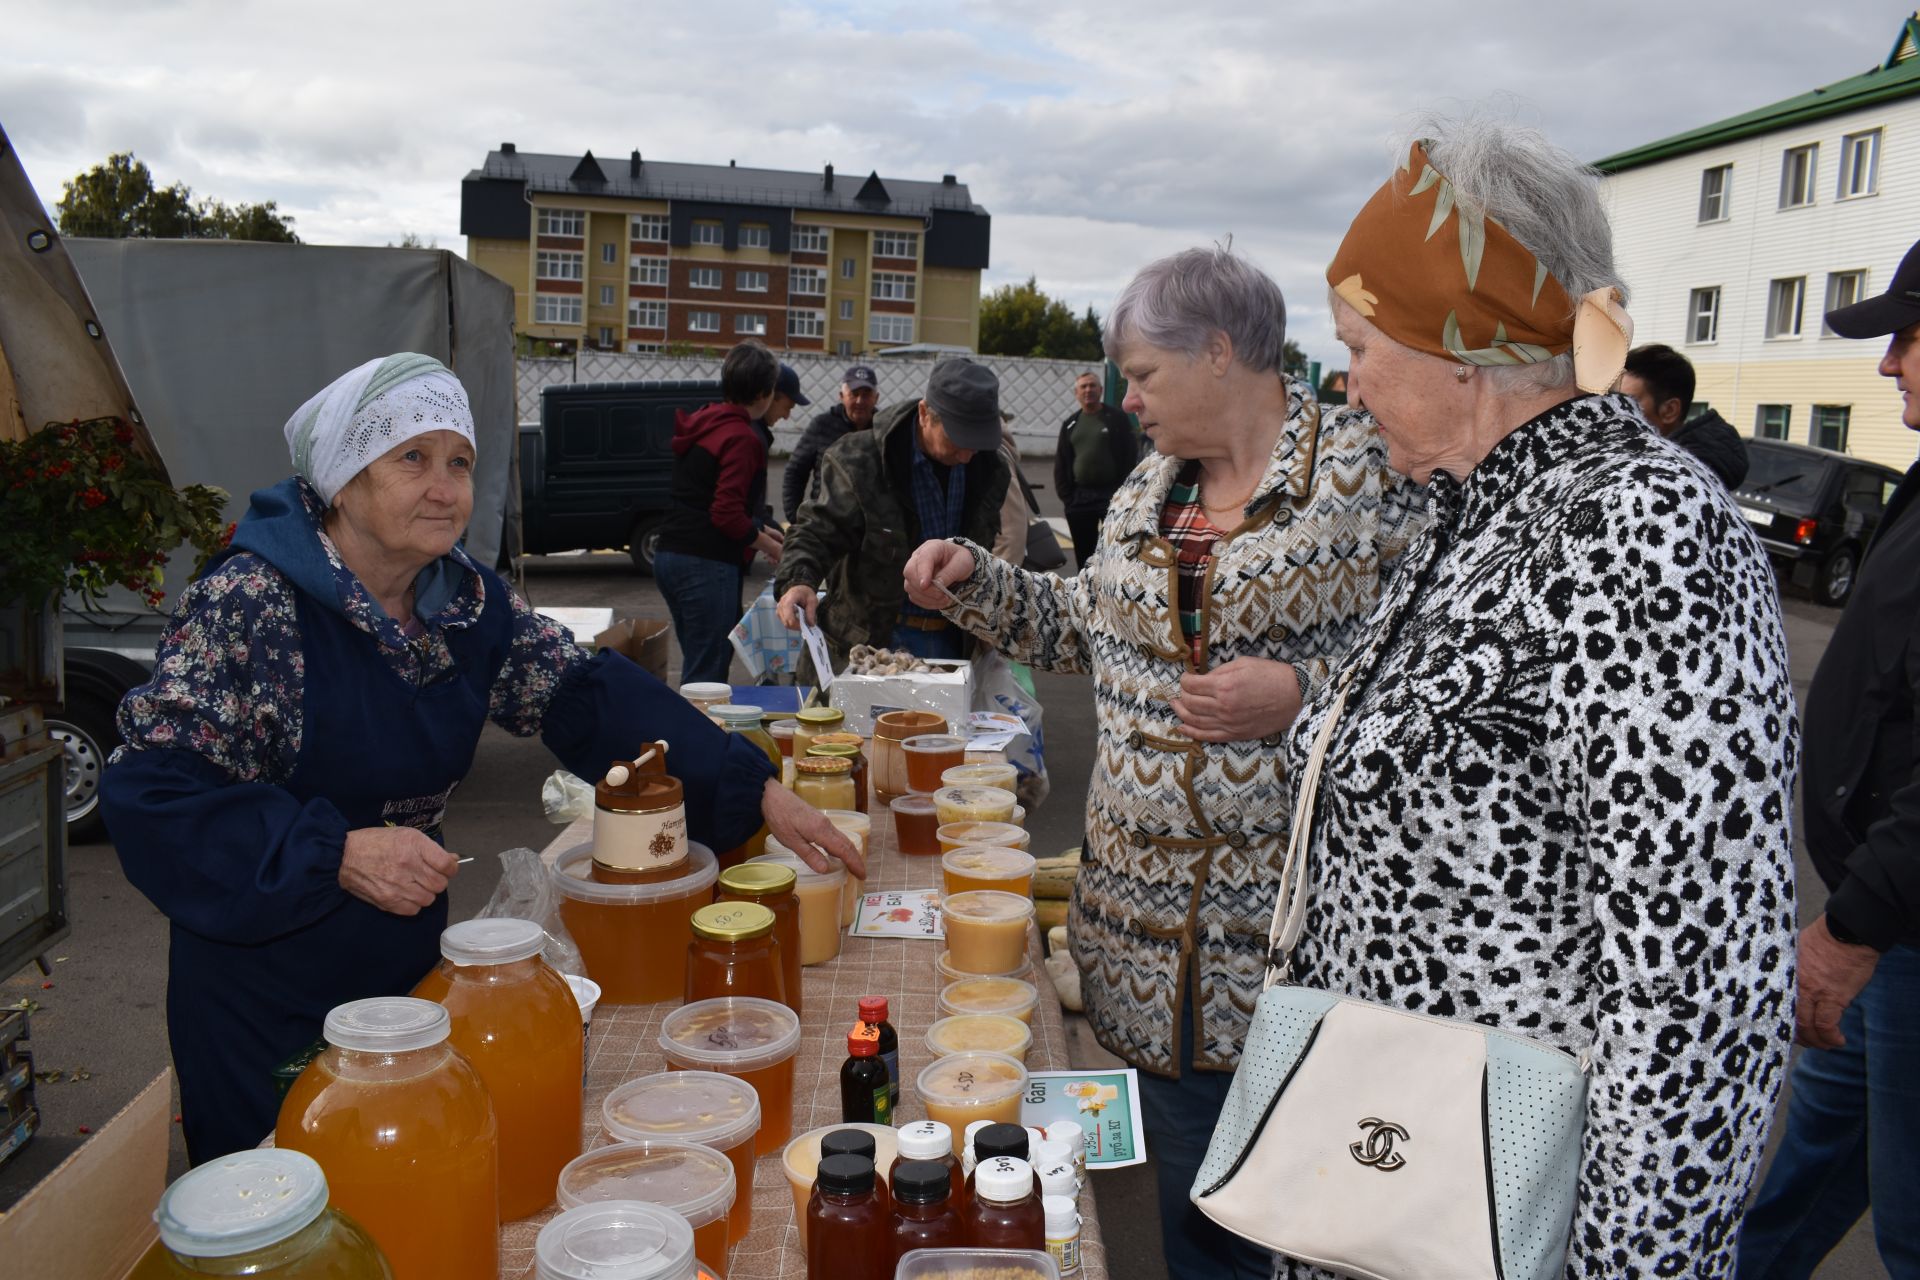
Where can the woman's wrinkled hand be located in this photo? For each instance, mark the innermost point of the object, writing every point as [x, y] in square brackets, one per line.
[933, 568]
[1238, 701]
[397, 869]
[808, 832]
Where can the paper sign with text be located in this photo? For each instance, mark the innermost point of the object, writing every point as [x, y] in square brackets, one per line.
[899, 913]
[1106, 1104]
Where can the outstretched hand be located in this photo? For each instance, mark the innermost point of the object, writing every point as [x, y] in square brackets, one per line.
[935, 566]
[808, 832]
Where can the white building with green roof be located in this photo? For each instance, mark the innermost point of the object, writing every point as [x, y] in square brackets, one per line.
[1735, 238]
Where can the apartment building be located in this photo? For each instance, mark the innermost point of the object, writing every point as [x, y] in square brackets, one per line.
[1735, 238]
[643, 255]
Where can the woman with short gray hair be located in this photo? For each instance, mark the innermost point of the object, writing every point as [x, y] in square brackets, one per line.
[1232, 569]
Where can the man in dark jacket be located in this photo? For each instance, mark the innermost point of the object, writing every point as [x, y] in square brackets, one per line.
[1853, 1122]
[1097, 450]
[1661, 379]
[929, 468]
[859, 393]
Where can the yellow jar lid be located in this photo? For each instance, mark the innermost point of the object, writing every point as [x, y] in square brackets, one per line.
[821, 715]
[831, 750]
[839, 739]
[761, 879]
[732, 921]
[823, 766]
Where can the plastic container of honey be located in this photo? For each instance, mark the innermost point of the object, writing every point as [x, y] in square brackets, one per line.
[801, 1161]
[985, 866]
[850, 746]
[633, 937]
[772, 886]
[977, 1264]
[513, 1016]
[890, 729]
[1004, 835]
[986, 930]
[980, 1033]
[615, 1240]
[782, 731]
[991, 774]
[707, 694]
[402, 1125]
[734, 953]
[915, 824]
[929, 755]
[964, 1087]
[744, 721]
[693, 1181]
[820, 894]
[714, 1110]
[825, 782]
[858, 828]
[950, 975]
[973, 804]
[754, 1040]
[1014, 997]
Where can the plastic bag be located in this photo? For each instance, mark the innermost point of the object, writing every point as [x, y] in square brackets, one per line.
[566, 798]
[995, 688]
[525, 892]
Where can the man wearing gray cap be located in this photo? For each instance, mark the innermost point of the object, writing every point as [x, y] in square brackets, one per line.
[859, 393]
[929, 468]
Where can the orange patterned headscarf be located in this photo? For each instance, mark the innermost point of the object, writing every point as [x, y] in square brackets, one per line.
[1473, 293]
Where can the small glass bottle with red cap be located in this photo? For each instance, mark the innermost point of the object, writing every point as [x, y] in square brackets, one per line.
[873, 1013]
[865, 1095]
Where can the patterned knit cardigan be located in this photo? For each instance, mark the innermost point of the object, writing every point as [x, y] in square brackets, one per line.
[1185, 839]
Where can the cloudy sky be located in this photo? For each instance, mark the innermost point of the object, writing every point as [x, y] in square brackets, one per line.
[1098, 136]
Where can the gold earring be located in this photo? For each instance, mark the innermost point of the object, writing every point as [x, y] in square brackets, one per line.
[1459, 373]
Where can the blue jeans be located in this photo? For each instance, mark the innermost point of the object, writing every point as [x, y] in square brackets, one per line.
[704, 598]
[1180, 1116]
[1852, 1139]
[948, 642]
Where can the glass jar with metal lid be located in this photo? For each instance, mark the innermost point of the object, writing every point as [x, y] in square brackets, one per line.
[815, 720]
[734, 953]
[772, 887]
[745, 721]
[825, 782]
[835, 746]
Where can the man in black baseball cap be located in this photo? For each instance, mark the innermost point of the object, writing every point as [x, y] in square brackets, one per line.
[1858, 1010]
[859, 396]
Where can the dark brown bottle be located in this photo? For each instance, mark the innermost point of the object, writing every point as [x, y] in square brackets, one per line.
[1005, 1212]
[866, 1093]
[924, 1216]
[856, 1142]
[931, 1140]
[999, 1140]
[849, 1233]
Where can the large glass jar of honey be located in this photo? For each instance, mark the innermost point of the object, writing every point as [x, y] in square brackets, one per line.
[812, 721]
[833, 746]
[734, 953]
[403, 1126]
[633, 937]
[824, 782]
[772, 887]
[257, 1213]
[517, 1021]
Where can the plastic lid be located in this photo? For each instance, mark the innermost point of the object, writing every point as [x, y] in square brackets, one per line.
[1070, 1132]
[970, 796]
[732, 921]
[714, 1110]
[1058, 1179]
[1000, 1140]
[821, 716]
[387, 1024]
[967, 1032]
[781, 856]
[499, 940]
[860, 1045]
[916, 804]
[973, 1131]
[694, 1181]
[738, 712]
[845, 1175]
[1051, 1152]
[572, 868]
[956, 1264]
[972, 1079]
[920, 1182]
[241, 1202]
[818, 750]
[706, 689]
[873, 1008]
[614, 1240]
[983, 773]
[935, 742]
[759, 879]
[945, 967]
[987, 904]
[822, 766]
[848, 1142]
[986, 861]
[1063, 1218]
[1003, 1178]
[730, 1033]
[925, 1140]
[849, 819]
[1011, 996]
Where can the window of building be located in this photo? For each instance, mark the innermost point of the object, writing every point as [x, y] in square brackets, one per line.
[606, 295]
[896, 244]
[807, 280]
[1859, 164]
[1773, 421]
[555, 264]
[609, 253]
[750, 324]
[1713, 193]
[893, 286]
[649, 226]
[606, 338]
[751, 281]
[1703, 316]
[809, 239]
[646, 315]
[704, 277]
[703, 321]
[843, 348]
[556, 308]
[756, 235]
[889, 328]
[1798, 169]
[1784, 299]
[708, 233]
[1844, 288]
[1830, 426]
[646, 270]
[848, 268]
[563, 222]
[846, 308]
[806, 324]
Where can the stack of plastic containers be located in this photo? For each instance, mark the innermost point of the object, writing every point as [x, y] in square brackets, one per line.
[753, 1040]
[714, 1110]
[693, 1181]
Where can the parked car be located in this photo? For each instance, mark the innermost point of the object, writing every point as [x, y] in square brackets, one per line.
[1816, 511]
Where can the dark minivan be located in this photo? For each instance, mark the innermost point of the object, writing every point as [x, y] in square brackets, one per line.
[1816, 511]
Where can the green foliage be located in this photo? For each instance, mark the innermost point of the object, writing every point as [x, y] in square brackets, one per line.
[1020, 320]
[119, 200]
[412, 240]
[1293, 359]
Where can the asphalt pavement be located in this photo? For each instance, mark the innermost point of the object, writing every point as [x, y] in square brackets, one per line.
[99, 1021]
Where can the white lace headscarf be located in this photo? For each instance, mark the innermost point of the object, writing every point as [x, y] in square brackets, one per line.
[369, 410]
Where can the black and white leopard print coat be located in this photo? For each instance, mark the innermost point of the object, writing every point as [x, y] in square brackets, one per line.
[1557, 802]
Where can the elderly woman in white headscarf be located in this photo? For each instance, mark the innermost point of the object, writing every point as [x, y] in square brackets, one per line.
[313, 705]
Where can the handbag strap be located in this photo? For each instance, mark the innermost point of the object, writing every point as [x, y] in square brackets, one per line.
[1290, 906]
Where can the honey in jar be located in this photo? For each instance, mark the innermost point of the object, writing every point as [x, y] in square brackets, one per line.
[1004, 835]
[686, 1178]
[816, 720]
[745, 722]
[915, 824]
[890, 729]
[824, 782]
[982, 866]
[971, 1032]
[772, 887]
[852, 747]
[628, 1239]
[986, 929]
[858, 828]
[928, 756]
[633, 937]
[734, 953]
[714, 1110]
[973, 804]
[1014, 997]
[639, 821]
[754, 1040]
[820, 895]
[964, 1087]
[404, 1129]
[985, 774]
[516, 1019]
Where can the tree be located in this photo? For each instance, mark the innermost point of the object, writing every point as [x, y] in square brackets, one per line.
[1293, 358]
[119, 200]
[1020, 320]
[412, 240]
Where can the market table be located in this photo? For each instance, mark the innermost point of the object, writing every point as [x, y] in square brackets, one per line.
[624, 1044]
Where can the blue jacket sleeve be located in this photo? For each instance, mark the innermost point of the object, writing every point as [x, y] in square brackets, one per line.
[238, 862]
[604, 710]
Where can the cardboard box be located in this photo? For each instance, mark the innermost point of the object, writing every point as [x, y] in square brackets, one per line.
[645, 640]
[947, 690]
[92, 1217]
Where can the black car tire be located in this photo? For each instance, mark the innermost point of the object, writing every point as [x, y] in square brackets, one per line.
[1837, 576]
[643, 542]
[84, 727]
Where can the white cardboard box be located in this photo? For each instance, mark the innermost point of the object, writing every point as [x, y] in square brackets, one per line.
[946, 691]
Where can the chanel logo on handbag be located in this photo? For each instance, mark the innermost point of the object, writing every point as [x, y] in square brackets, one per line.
[1378, 1150]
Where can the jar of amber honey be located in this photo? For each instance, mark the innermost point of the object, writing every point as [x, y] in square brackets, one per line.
[734, 953]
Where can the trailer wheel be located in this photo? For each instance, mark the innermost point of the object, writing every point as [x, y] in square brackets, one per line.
[643, 542]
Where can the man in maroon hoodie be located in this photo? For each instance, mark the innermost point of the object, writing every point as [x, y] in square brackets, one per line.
[712, 530]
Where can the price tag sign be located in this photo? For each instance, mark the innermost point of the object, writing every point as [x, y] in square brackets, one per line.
[817, 650]
[899, 913]
[1105, 1104]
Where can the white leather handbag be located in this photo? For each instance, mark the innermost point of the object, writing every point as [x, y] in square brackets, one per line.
[1386, 1144]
